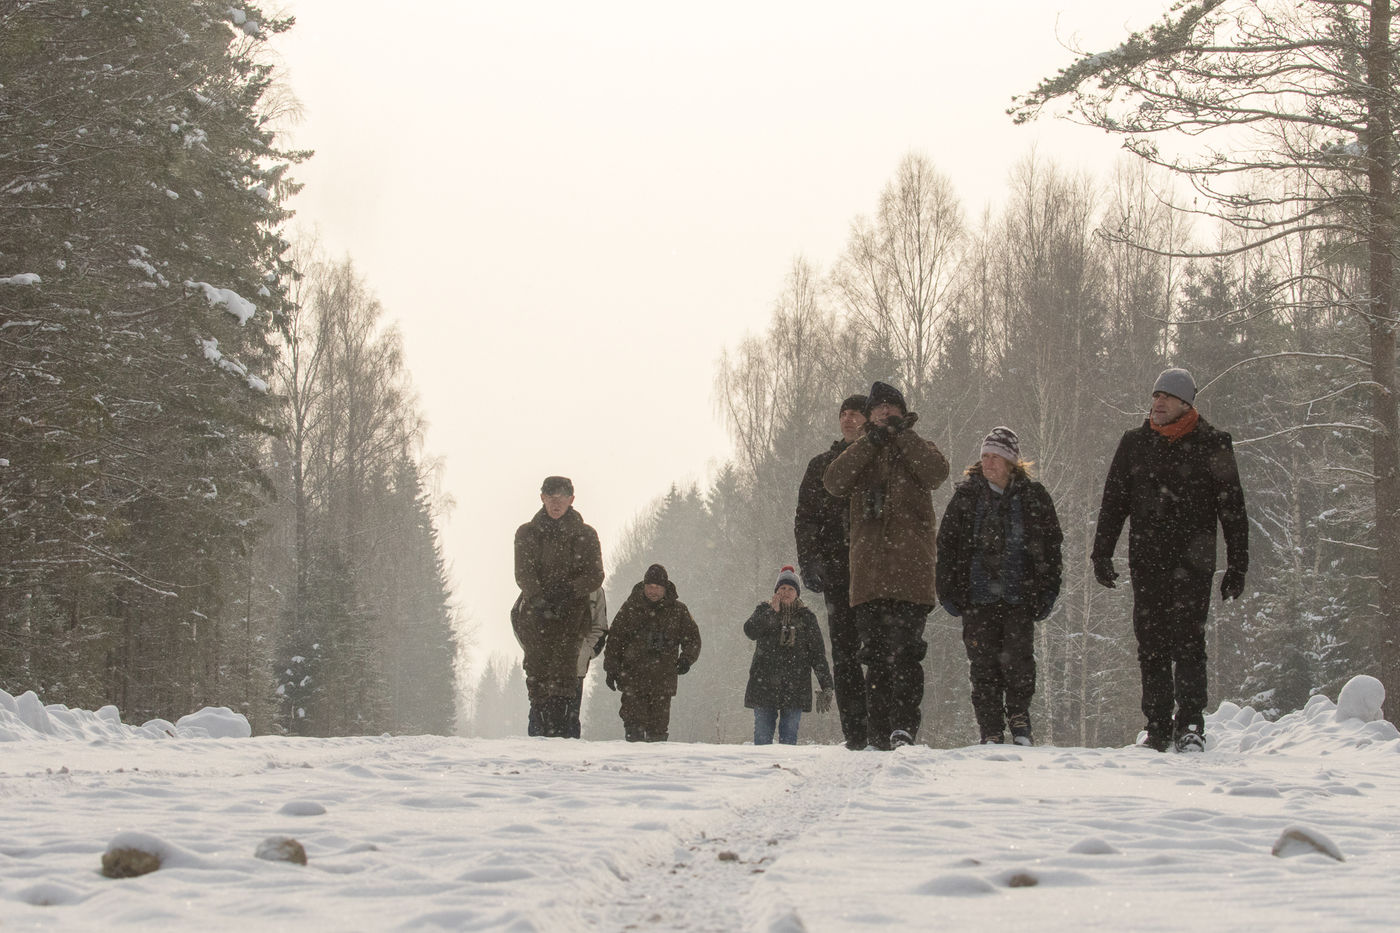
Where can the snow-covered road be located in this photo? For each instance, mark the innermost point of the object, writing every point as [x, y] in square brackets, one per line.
[536, 834]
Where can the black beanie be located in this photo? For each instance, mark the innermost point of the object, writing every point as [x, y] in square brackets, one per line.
[883, 392]
[656, 574]
[853, 403]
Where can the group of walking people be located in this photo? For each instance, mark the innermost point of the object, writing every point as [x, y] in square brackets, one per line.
[869, 543]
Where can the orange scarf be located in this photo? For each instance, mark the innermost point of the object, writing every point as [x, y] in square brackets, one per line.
[1179, 428]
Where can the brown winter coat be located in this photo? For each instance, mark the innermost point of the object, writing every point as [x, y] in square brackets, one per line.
[892, 553]
[558, 559]
[646, 641]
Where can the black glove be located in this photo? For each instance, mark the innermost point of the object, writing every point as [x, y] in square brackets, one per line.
[812, 577]
[682, 665]
[879, 435]
[602, 640]
[611, 681]
[1232, 584]
[1104, 572]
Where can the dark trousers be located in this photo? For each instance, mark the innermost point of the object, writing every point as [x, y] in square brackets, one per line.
[646, 717]
[565, 723]
[846, 671]
[1000, 643]
[1169, 620]
[893, 649]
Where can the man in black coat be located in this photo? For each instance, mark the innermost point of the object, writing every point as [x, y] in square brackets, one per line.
[1174, 477]
[824, 553]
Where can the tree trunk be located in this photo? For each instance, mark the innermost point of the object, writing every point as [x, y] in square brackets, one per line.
[1382, 243]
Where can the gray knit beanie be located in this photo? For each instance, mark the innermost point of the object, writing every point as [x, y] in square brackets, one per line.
[1177, 382]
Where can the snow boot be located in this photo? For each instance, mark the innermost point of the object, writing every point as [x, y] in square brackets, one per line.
[1190, 739]
[899, 738]
[997, 738]
[1020, 724]
[1157, 741]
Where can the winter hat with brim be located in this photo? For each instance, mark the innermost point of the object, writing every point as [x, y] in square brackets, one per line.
[1178, 383]
[1003, 442]
[882, 392]
[853, 403]
[656, 574]
[557, 486]
[787, 577]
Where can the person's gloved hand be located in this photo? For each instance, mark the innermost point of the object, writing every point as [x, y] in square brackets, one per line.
[611, 681]
[1104, 572]
[879, 435]
[824, 697]
[682, 665]
[951, 609]
[1040, 608]
[812, 577]
[1232, 584]
[896, 423]
[602, 641]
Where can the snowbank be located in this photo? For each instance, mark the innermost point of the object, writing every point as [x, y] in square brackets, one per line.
[25, 718]
[1321, 726]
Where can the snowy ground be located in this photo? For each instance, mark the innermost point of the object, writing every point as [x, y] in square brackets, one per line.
[428, 833]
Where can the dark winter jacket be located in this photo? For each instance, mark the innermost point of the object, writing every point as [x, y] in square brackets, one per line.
[558, 564]
[1174, 492]
[646, 641]
[1021, 522]
[893, 531]
[821, 528]
[789, 650]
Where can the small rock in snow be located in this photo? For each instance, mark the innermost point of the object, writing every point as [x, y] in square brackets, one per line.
[1299, 840]
[128, 862]
[281, 849]
[302, 808]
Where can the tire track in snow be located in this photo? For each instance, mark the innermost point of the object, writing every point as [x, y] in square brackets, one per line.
[712, 882]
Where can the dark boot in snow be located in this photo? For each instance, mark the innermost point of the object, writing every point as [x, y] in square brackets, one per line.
[997, 738]
[1190, 739]
[900, 738]
[1020, 724]
[1157, 739]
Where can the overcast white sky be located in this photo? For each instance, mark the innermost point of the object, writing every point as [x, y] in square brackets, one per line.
[571, 209]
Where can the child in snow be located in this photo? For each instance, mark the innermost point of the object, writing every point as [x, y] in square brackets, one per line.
[652, 641]
[788, 650]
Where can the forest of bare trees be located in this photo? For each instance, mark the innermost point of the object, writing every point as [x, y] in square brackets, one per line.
[212, 483]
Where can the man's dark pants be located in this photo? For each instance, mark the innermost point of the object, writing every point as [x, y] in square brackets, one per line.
[846, 671]
[1169, 619]
[893, 649]
[1000, 643]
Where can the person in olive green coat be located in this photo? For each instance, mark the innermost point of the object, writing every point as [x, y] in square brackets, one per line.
[889, 475]
[558, 565]
[652, 641]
